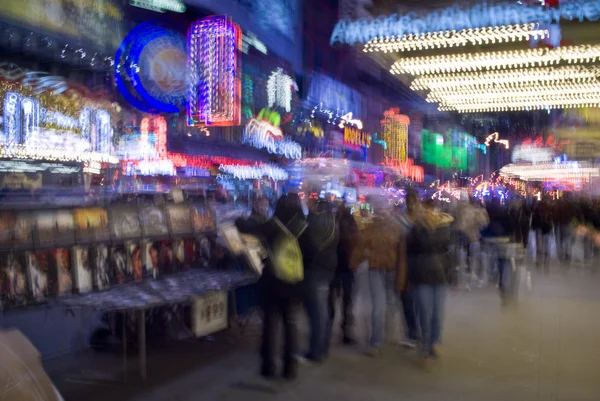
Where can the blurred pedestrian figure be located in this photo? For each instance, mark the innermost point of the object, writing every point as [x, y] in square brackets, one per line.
[405, 219]
[381, 239]
[563, 215]
[471, 218]
[542, 224]
[318, 275]
[343, 281]
[280, 300]
[427, 246]
[499, 235]
[260, 211]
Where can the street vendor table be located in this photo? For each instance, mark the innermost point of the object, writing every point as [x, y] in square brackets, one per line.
[139, 297]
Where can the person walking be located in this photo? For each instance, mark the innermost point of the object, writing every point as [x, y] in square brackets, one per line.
[427, 246]
[381, 238]
[343, 281]
[471, 218]
[319, 272]
[280, 300]
[411, 330]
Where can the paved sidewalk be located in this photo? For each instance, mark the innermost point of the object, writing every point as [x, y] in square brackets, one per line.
[544, 348]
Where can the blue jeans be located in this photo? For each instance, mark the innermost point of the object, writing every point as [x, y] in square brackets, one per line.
[316, 301]
[385, 302]
[430, 301]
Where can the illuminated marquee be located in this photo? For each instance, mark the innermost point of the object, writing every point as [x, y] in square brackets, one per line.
[214, 96]
[444, 39]
[353, 136]
[457, 18]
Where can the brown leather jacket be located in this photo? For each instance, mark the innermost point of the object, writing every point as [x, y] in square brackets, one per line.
[382, 239]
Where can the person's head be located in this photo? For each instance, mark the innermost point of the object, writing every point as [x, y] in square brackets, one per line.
[412, 200]
[287, 207]
[429, 204]
[153, 255]
[261, 207]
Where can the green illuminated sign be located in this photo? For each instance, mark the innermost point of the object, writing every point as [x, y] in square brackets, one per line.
[452, 150]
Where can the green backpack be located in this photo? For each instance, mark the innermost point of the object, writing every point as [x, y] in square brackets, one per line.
[286, 255]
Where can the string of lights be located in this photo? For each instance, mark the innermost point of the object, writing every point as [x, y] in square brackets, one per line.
[500, 93]
[53, 154]
[444, 39]
[214, 84]
[279, 90]
[526, 103]
[395, 134]
[514, 78]
[495, 60]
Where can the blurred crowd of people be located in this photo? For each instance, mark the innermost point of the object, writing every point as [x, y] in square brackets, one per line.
[412, 253]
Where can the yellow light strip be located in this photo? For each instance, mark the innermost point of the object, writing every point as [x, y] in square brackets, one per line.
[444, 39]
[515, 78]
[495, 60]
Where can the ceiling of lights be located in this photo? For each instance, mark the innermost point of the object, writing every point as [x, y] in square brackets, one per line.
[495, 69]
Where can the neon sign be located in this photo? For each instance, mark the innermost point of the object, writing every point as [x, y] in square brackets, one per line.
[262, 135]
[255, 172]
[457, 18]
[495, 137]
[214, 80]
[151, 69]
[356, 137]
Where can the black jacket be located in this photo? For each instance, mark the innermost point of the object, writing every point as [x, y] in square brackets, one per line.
[268, 232]
[324, 234]
[427, 252]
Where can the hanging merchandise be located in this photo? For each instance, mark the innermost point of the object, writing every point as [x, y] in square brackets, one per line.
[215, 92]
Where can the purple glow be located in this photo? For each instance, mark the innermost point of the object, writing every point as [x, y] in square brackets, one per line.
[215, 88]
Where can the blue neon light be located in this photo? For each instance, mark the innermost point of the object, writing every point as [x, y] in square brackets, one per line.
[127, 64]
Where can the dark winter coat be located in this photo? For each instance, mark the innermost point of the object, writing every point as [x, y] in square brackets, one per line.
[427, 246]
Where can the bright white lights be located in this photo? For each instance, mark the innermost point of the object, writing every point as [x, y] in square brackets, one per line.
[551, 171]
[514, 78]
[51, 154]
[12, 118]
[444, 39]
[347, 119]
[495, 60]
[279, 90]
[532, 154]
[255, 172]
[456, 18]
